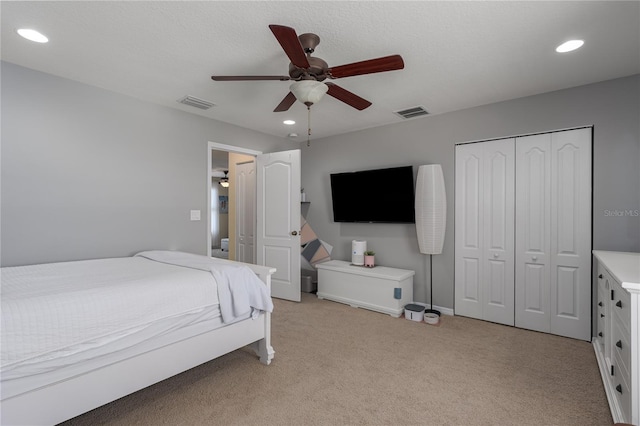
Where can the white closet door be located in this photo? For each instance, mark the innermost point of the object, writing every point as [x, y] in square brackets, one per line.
[533, 232]
[553, 233]
[468, 230]
[484, 210]
[570, 283]
[498, 244]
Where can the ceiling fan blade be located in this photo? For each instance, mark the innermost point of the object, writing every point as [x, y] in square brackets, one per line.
[286, 103]
[386, 63]
[249, 77]
[347, 97]
[288, 39]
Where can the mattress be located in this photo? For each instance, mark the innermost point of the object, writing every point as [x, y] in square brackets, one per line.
[63, 319]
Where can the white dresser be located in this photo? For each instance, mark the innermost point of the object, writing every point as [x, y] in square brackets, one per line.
[380, 289]
[617, 334]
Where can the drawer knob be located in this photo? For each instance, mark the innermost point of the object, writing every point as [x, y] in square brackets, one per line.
[619, 304]
[600, 276]
[619, 388]
[600, 334]
[619, 344]
[600, 304]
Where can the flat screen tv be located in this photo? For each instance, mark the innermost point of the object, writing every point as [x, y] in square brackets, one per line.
[374, 196]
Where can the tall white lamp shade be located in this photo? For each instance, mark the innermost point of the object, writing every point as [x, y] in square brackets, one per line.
[431, 209]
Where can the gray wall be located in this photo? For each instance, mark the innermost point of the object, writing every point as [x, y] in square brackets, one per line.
[612, 107]
[89, 173]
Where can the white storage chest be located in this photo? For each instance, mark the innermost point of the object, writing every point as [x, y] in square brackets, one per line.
[379, 289]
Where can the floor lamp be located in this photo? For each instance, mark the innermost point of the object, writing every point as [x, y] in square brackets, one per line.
[431, 216]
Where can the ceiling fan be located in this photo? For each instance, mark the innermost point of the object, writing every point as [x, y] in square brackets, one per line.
[308, 72]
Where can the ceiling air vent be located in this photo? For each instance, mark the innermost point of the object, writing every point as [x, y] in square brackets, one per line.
[196, 102]
[412, 112]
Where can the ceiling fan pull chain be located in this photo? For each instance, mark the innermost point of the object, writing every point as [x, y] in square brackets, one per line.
[308, 124]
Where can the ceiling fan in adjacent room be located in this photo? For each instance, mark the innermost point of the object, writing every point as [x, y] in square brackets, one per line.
[308, 72]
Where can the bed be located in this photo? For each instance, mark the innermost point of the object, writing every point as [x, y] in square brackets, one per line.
[77, 335]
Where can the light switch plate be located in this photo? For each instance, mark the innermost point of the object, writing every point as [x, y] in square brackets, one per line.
[195, 214]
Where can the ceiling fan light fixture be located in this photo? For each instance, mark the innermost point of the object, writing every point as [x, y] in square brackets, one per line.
[308, 91]
[224, 181]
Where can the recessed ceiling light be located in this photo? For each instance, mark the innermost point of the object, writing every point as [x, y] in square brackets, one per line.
[568, 46]
[33, 35]
[289, 122]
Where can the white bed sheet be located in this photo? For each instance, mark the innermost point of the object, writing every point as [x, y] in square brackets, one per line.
[110, 309]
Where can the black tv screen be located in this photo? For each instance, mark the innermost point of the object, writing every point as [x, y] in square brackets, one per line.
[370, 196]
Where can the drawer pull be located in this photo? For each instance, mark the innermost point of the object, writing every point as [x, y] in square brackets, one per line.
[619, 388]
[600, 276]
[600, 304]
[619, 304]
[619, 344]
[600, 334]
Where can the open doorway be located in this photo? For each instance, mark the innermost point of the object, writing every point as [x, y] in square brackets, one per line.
[219, 207]
[231, 222]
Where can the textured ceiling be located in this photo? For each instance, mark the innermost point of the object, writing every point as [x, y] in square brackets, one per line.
[457, 54]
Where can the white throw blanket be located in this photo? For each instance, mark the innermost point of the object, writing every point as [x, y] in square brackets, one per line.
[240, 291]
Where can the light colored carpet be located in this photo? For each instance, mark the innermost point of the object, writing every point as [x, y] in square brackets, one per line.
[337, 365]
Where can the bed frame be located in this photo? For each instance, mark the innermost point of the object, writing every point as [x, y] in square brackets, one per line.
[69, 398]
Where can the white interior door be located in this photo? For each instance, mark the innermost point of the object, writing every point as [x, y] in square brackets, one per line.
[533, 232]
[469, 188]
[498, 244]
[570, 283]
[553, 237]
[278, 220]
[484, 226]
[245, 179]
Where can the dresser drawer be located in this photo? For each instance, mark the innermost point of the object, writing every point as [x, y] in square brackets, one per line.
[620, 381]
[620, 340]
[601, 333]
[621, 305]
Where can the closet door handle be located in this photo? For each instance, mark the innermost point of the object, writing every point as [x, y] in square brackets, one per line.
[619, 304]
[600, 304]
[600, 276]
[619, 344]
[600, 334]
[619, 388]
[601, 315]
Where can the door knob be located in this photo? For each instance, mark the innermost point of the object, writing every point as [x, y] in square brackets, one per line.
[294, 233]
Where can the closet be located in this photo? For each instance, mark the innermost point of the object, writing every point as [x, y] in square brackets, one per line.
[523, 232]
